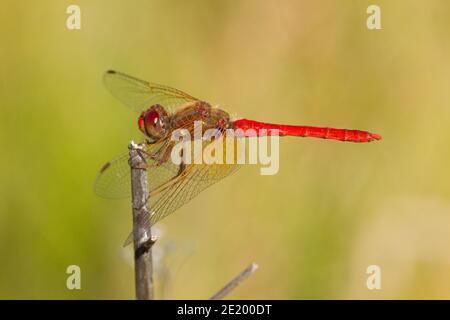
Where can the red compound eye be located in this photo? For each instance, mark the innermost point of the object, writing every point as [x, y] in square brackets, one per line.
[141, 121]
[153, 122]
[151, 118]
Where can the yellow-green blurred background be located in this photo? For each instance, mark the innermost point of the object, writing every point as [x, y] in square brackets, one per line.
[332, 210]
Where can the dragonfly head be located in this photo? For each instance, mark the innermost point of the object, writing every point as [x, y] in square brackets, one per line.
[154, 122]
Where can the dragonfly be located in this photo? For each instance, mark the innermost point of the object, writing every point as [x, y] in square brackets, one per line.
[163, 110]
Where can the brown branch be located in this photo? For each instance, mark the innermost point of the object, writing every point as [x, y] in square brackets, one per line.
[235, 282]
[143, 241]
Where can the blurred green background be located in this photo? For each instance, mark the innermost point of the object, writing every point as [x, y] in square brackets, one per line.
[332, 210]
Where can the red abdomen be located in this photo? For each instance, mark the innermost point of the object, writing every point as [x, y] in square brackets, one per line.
[303, 131]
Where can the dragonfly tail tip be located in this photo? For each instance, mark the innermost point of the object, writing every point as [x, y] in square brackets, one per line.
[376, 136]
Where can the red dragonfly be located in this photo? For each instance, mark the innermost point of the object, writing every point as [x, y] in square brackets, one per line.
[162, 111]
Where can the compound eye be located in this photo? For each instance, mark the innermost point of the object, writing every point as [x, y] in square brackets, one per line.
[154, 124]
[152, 118]
[141, 122]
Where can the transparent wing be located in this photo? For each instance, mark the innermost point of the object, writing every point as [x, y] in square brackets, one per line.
[170, 196]
[113, 181]
[197, 179]
[140, 95]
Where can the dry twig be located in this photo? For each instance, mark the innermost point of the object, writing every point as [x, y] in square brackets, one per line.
[235, 282]
[143, 241]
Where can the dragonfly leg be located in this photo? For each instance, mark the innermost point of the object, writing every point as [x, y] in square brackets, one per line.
[166, 155]
[182, 165]
[158, 156]
[142, 164]
[163, 154]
